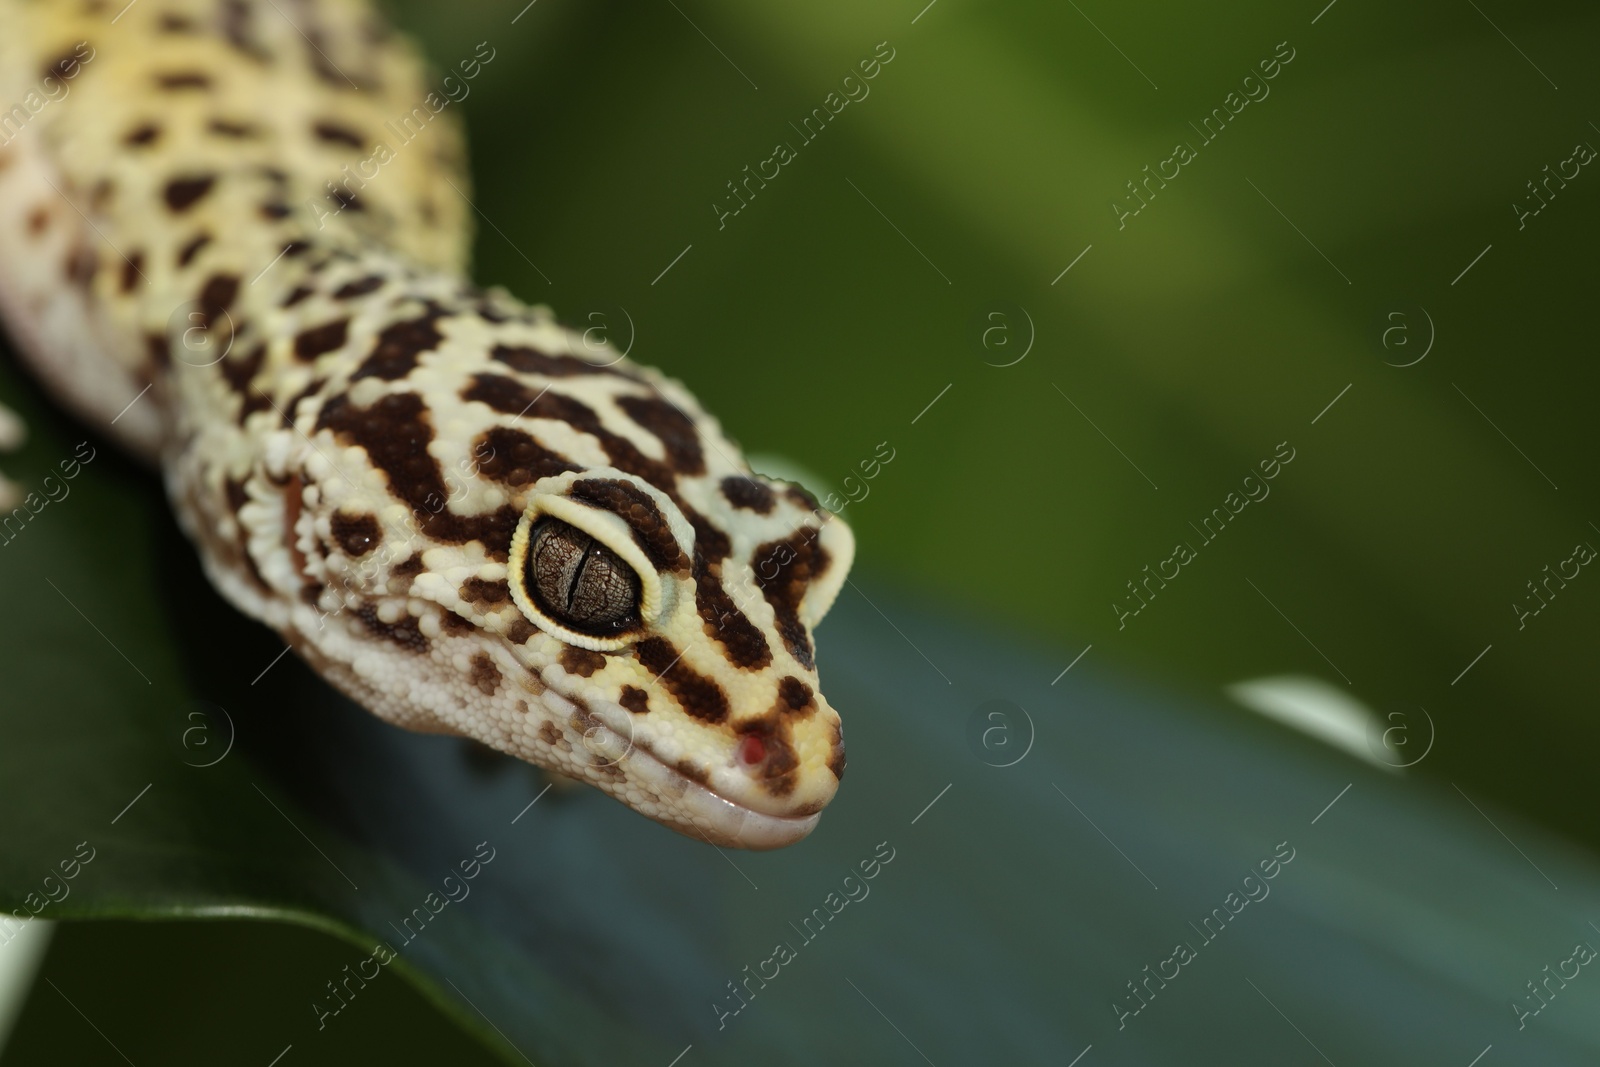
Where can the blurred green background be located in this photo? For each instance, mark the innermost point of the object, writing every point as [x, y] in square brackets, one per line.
[1197, 338]
[858, 285]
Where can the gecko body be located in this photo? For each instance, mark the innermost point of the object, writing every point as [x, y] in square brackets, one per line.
[466, 516]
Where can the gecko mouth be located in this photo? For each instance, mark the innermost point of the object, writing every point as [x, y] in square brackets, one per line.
[693, 809]
[721, 821]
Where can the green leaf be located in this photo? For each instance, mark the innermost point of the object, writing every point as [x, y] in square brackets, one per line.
[1016, 903]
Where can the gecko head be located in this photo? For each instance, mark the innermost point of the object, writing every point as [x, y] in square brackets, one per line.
[677, 628]
[586, 578]
[656, 646]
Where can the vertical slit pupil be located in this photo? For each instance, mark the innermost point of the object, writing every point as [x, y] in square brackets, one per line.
[578, 572]
[579, 582]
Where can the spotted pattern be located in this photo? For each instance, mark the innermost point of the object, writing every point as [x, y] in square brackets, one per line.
[369, 434]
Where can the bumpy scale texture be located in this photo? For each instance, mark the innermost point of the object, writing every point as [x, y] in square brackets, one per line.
[249, 222]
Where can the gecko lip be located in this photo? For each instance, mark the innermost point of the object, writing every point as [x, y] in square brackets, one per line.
[699, 811]
[693, 809]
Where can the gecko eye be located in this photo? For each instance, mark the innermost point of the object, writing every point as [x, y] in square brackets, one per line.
[579, 582]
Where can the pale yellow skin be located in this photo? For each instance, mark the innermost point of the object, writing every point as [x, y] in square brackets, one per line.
[195, 273]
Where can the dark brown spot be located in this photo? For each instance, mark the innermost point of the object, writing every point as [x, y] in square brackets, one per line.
[294, 498]
[409, 567]
[233, 490]
[511, 397]
[38, 220]
[155, 345]
[485, 675]
[82, 263]
[289, 408]
[182, 193]
[636, 508]
[698, 695]
[506, 395]
[395, 432]
[316, 340]
[634, 699]
[238, 131]
[784, 570]
[143, 134]
[356, 534]
[187, 253]
[240, 371]
[794, 696]
[346, 199]
[451, 623]
[533, 361]
[360, 287]
[799, 494]
[709, 541]
[216, 297]
[398, 346]
[549, 733]
[521, 631]
[321, 64]
[693, 773]
[836, 753]
[178, 80]
[513, 458]
[743, 491]
[273, 210]
[583, 718]
[405, 633]
[581, 661]
[132, 268]
[337, 133]
[297, 294]
[676, 431]
[722, 618]
[479, 591]
[66, 67]
[236, 27]
[174, 23]
[237, 497]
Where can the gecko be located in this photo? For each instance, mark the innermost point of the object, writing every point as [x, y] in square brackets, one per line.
[217, 250]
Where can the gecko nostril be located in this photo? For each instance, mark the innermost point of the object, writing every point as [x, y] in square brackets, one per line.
[752, 750]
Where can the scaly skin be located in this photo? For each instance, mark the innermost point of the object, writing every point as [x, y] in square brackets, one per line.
[360, 442]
